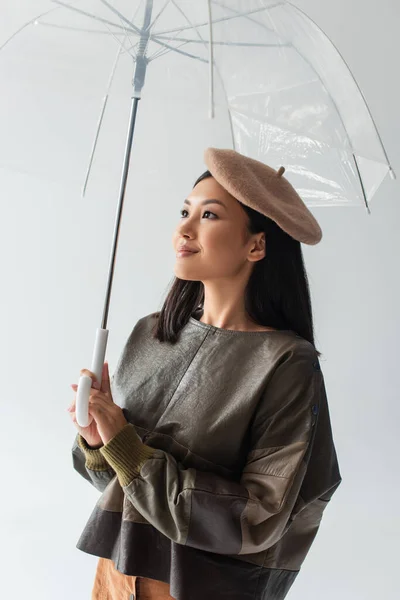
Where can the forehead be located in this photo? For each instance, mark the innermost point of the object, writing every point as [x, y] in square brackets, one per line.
[210, 188]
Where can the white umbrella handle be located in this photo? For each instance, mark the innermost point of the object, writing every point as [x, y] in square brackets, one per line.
[85, 382]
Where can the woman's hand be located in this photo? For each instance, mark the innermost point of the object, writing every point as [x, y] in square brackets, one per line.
[89, 433]
[108, 418]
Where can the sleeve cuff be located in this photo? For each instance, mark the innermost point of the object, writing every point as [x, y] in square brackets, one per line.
[126, 454]
[95, 461]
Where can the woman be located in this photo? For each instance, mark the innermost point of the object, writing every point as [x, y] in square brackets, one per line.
[224, 385]
[247, 272]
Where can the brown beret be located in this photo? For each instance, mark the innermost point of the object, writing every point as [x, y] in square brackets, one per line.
[265, 190]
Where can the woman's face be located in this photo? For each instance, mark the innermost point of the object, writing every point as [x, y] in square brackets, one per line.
[214, 224]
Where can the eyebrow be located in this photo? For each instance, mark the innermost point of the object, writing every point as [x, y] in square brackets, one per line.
[211, 201]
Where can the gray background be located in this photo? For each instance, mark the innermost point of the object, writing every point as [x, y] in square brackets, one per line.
[55, 251]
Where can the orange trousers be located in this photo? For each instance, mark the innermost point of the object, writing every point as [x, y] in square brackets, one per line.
[110, 584]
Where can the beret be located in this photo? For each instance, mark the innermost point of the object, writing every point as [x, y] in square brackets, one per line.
[265, 190]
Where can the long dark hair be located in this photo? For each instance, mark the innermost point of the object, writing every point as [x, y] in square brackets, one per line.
[277, 293]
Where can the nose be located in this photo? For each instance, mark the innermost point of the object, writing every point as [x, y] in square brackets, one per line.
[184, 235]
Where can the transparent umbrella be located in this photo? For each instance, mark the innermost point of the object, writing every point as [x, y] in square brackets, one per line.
[262, 70]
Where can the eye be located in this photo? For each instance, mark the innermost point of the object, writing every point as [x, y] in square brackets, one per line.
[206, 211]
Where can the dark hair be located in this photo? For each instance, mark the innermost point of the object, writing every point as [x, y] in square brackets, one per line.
[277, 293]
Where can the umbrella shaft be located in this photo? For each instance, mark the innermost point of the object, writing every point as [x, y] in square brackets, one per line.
[138, 83]
[132, 121]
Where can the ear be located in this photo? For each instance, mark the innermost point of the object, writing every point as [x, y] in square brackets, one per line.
[258, 250]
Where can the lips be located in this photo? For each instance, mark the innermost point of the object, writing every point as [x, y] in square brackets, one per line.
[186, 249]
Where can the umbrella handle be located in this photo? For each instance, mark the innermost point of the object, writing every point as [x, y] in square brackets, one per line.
[85, 382]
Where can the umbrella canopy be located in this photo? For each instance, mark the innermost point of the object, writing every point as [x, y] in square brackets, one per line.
[264, 75]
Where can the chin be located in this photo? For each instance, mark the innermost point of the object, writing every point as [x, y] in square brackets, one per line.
[185, 274]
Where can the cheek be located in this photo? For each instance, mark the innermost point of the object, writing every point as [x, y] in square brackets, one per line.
[215, 238]
[223, 240]
[221, 250]
[212, 241]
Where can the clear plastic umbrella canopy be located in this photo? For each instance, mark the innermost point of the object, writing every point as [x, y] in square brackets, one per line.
[270, 80]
